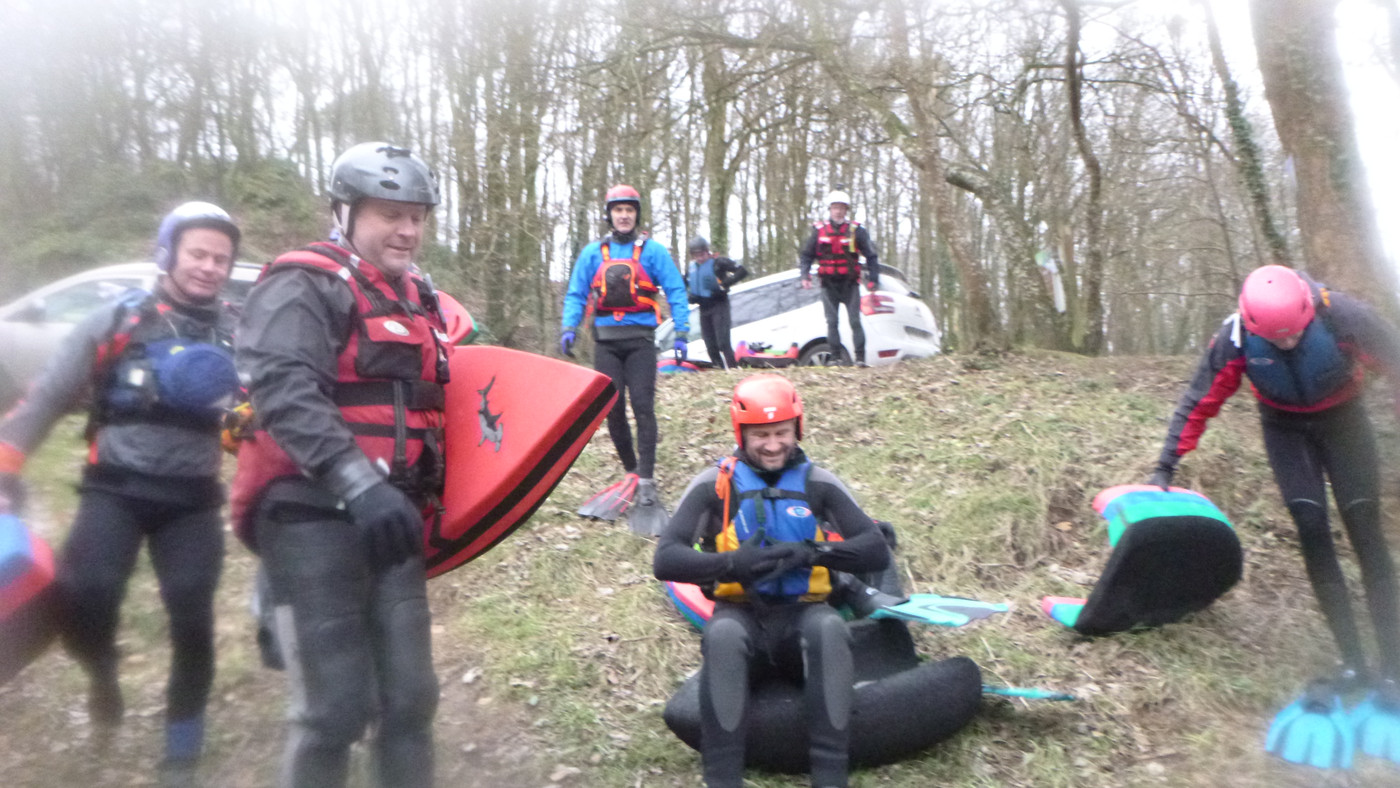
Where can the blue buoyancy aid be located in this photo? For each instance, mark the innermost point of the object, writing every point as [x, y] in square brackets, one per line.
[783, 513]
[1310, 373]
[703, 282]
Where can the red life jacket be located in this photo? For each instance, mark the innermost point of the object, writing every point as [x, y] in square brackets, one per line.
[621, 286]
[837, 255]
[389, 384]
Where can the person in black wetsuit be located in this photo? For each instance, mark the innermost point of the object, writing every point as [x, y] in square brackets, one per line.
[158, 368]
[836, 246]
[1303, 348]
[768, 566]
[710, 278]
[619, 282]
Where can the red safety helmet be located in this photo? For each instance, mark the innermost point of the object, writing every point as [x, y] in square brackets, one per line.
[1276, 302]
[764, 399]
[621, 193]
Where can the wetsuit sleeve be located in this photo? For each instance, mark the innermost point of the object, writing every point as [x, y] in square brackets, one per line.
[731, 272]
[863, 547]
[1376, 342]
[580, 282]
[63, 386]
[294, 325]
[807, 255]
[867, 250]
[1217, 377]
[697, 516]
[664, 273]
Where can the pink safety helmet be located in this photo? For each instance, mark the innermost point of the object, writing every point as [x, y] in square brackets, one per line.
[1276, 302]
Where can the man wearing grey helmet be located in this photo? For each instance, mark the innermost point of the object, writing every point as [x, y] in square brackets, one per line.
[344, 349]
[158, 371]
[708, 282]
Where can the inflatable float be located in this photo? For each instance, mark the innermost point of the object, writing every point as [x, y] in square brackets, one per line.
[27, 623]
[902, 705]
[761, 356]
[1174, 553]
[516, 422]
[669, 366]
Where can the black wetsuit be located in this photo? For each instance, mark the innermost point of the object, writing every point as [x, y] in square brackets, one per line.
[843, 290]
[714, 313]
[151, 477]
[1313, 424]
[745, 641]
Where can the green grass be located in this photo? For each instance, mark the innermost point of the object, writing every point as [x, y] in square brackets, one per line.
[559, 649]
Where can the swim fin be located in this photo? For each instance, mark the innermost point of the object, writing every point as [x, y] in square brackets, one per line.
[611, 502]
[1376, 722]
[945, 611]
[647, 517]
[1314, 730]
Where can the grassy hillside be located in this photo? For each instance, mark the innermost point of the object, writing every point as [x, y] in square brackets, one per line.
[557, 650]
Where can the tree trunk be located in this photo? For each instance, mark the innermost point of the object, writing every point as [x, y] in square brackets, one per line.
[1297, 47]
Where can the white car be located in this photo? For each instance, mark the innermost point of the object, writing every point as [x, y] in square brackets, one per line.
[776, 311]
[32, 326]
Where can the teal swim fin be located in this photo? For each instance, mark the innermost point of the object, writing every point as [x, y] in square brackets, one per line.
[648, 516]
[611, 502]
[944, 611]
[1376, 723]
[1314, 730]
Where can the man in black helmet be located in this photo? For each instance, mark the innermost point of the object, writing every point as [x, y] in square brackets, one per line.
[158, 370]
[709, 280]
[345, 351]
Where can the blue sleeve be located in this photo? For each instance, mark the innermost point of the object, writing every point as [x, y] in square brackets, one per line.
[580, 282]
[663, 272]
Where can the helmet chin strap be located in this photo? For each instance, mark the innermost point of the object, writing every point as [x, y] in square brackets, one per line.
[344, 216]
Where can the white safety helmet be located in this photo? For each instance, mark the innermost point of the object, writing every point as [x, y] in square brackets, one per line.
[839, 196]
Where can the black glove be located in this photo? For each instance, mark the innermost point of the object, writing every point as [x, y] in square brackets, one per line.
[1162, 477]
[751, 561]
[12, 490]
[790, 556]
[391, 525]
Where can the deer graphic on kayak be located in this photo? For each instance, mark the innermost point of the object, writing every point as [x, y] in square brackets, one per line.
[491, 427]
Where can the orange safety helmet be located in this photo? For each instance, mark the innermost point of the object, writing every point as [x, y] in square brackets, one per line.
[764, 399]
[1276, 302]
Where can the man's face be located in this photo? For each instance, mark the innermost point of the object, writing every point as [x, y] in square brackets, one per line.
[388, 234]
[624, 217]
[1289, 342]
[770, 445]
[838, 212]
[203, 262]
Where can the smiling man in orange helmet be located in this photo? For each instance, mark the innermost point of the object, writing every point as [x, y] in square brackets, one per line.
[768, 565]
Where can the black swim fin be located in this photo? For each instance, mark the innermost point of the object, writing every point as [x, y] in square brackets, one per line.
[647, 516]
[612, 501]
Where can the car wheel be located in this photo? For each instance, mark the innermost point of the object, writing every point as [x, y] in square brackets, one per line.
[818, 355]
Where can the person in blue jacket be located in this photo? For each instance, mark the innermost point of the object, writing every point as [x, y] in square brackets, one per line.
[621, 280]
[1303, 348]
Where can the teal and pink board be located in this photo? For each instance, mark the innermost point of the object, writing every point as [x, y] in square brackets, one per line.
[1173, 552]
[516, 422]
[26, 581]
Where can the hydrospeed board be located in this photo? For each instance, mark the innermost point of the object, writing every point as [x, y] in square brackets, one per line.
[516, 422]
